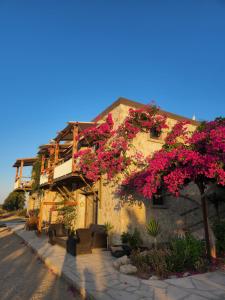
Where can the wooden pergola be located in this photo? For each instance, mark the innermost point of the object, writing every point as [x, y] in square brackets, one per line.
[50, 155]
[19, 165]
[63, 147]
[70, 135]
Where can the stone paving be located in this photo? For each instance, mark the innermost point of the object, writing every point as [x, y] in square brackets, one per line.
[95, 278]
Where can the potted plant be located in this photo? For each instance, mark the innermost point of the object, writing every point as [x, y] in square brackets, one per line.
[108, 228]
[68, 216]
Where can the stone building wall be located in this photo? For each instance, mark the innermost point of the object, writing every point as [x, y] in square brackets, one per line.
[174, 216]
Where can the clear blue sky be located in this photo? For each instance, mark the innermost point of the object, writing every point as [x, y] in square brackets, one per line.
[68, 60]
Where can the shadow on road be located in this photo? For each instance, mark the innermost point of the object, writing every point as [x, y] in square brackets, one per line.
[23, 276]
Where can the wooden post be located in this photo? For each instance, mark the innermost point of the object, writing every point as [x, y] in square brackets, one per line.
[17, 172]
[75, 143]
[21, 168]
[40, 217]
[51, 164]
[56, 153]
[21, 173]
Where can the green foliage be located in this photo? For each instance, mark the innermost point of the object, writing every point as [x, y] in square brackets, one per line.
[219, 231]
[152, 261]
[132, 239]
[185, 253]
[68, 216]
[153, 229]
[158, 262]
[14, 201]
[182, 254]
[108, 227]
[140, 261]
[36, 173]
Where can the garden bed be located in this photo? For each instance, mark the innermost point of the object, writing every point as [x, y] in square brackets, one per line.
[181, 257]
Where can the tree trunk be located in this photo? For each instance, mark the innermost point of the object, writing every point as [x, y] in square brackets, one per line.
[206, 226]
[205, 219]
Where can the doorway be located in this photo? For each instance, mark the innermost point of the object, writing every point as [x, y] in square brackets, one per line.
[91, 210]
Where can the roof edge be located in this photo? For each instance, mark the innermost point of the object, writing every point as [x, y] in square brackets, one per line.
[128, 102]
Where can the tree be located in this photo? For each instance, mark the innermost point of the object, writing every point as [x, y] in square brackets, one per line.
[14, 201]
[186, 157]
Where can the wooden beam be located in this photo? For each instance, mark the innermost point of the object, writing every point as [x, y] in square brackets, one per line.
[21, 168]
[68, 203]
[74, 149]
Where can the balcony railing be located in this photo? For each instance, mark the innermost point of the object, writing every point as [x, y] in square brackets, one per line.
[22, 183]
[17, 184]
[43, 178]
[63, 169]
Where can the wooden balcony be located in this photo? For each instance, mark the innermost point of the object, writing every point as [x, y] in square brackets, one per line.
[63, 169]
[24, 183]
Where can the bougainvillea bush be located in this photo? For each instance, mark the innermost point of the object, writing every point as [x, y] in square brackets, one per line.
[186, 157]
[200, 158]
[111, 151]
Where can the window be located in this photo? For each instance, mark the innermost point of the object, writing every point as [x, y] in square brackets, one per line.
[158, 201]
[154, 133]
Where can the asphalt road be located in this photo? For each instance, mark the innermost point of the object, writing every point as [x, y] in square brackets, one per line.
[24, 277]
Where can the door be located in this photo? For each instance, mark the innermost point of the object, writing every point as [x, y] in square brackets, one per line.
[91, 211]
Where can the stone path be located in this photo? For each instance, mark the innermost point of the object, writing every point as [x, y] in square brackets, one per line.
[94, 276]
[24, 277]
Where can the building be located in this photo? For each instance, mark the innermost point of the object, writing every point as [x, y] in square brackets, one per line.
[98, 204]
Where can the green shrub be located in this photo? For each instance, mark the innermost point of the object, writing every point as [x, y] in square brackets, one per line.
[68, 216]
[152, 261]
[125, 236]
[158, 262]
[153, 229]
[182, 254]
[219, 231]
[185, 253]
[14, 201]
[141, 261]
[132, 239]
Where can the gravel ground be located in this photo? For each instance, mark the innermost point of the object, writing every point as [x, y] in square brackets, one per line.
[23, 276]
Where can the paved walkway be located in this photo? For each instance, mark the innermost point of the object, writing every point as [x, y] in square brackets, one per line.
[24, 277]
[94, 276]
